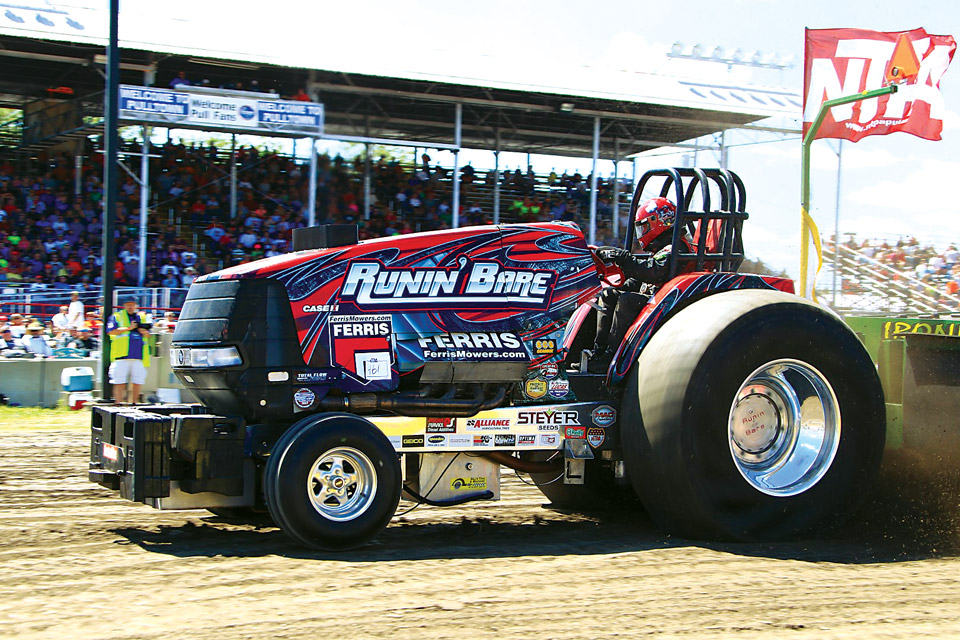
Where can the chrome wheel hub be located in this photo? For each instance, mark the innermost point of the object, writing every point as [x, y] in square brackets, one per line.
[342, 484]
[784, 427]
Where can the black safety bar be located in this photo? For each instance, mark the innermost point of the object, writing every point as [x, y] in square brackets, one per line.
[684, 183]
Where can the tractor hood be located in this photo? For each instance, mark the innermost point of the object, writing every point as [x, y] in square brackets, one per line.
[477, 294]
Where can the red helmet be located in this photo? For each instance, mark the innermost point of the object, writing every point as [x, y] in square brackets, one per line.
[654, 217]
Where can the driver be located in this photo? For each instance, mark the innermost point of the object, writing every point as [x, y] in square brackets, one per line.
[620, 306]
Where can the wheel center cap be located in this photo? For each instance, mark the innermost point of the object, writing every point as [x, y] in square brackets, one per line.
[755, 423]
[337, 483]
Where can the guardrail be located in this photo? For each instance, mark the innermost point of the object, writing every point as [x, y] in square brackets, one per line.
[45, 303]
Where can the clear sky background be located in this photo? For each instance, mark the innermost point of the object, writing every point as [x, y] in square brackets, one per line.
[891, 185]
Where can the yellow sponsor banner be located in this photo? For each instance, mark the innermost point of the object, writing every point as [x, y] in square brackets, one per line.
[399, 425]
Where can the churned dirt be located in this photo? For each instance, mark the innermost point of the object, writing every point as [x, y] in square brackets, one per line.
[77, 562]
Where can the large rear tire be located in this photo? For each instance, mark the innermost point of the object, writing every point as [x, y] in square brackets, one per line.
[332, 481]
[752, 415]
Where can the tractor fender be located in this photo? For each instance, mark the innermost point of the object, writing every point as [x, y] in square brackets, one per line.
[674, 296]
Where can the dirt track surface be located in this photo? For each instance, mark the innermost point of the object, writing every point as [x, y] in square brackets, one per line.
[77, 562]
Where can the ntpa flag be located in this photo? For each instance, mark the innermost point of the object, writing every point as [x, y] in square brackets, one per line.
[844, 62]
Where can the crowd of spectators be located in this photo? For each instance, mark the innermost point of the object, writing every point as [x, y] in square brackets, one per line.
[28, 336]
[65, 334]
[936, 271]
[50, 235]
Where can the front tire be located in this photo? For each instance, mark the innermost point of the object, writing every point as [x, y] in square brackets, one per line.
[752, 415]
[332, 481]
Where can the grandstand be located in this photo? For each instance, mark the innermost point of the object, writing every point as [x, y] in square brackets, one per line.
[49, 207]
[900, 278]
[49, 156]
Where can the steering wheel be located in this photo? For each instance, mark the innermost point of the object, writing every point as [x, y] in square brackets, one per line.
[610, 274]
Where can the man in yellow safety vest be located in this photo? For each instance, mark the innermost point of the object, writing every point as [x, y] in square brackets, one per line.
[129, 350]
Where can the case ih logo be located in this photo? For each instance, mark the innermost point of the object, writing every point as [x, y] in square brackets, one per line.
[373, 285]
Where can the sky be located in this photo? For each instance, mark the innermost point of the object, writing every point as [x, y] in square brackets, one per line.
[889, 185]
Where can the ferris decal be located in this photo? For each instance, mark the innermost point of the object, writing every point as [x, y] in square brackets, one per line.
[362, 345]
[473, 346]
[845, 62]
[373, 285]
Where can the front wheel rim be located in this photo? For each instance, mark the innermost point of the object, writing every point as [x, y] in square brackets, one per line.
[784, 427]
[342, 484]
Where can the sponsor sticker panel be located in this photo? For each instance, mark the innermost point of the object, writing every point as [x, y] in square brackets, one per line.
[488, 424]
[575, 433]
[558, 388]
[504, 440]
[548, 439]
[603, 416]
[595, 437]
[318, 376]
[412, 441]
[441, 425]
[304, 399]
[543, 426]
[534, 388]
[484, 346]
[468, 483]
[362, 346]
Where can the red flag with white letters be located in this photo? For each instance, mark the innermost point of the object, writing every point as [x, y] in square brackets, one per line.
[845, 62]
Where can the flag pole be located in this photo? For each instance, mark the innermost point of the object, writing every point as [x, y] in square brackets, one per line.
[807, 225]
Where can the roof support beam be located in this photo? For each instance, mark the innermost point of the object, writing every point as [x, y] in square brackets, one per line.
[526, 106]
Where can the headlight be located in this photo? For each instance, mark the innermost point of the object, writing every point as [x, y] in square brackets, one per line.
[219, 357]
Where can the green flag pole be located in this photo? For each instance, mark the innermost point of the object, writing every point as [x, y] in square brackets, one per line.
[807, 225]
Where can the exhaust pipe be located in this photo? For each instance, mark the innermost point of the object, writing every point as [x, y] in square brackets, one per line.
[416, 405]
[525, 466]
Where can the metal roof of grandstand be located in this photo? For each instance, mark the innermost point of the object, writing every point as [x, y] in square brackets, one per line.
[409, 92]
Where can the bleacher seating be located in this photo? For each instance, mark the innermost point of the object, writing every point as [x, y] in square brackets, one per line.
[889, 278]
